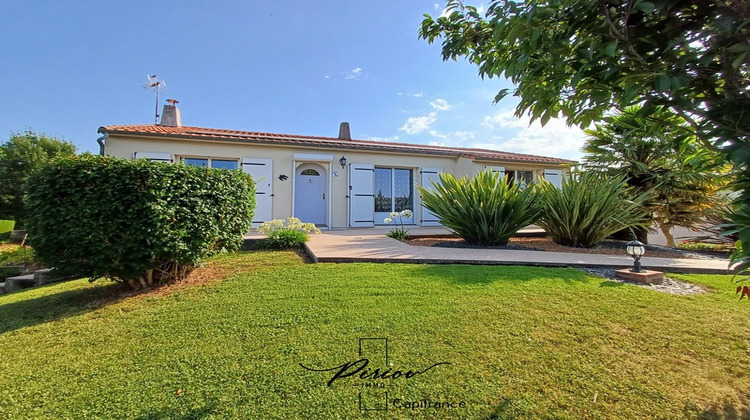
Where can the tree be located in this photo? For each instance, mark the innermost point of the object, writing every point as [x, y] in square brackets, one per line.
[23, 154]
[659, 154]
[580, 59]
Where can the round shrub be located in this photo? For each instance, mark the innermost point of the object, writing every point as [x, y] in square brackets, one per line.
[135, 221]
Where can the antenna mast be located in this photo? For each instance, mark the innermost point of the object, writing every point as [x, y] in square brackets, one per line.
[157, 85]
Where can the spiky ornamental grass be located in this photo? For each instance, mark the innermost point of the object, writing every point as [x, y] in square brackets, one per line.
[588, 208]
[484, 209]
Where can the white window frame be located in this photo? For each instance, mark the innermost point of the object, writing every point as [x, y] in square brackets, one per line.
[393, 186]
[181, 159]
[516, 171]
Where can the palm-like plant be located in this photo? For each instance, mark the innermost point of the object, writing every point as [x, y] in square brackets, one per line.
[484, 209]
[658, 153]
[588, 208]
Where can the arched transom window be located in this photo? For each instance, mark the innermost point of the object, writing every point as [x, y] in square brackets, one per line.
[310, 172]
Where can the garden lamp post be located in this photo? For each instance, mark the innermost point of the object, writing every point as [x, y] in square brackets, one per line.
[636, 250]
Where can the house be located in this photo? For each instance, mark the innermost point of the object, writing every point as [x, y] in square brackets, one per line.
[332, 182]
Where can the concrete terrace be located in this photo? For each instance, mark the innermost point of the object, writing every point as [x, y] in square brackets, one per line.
[371, 245]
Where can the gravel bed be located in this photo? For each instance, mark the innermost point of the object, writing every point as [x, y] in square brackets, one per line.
[607, 247]
[671, 286]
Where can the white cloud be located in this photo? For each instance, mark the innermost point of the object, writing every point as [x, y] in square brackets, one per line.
[418, 95]
[326, 77]
[354, 73]
[441, 104]
[504, 119]
[464, 135]
[435, 133]
[416, 125]
[374, 138]
[555, 139]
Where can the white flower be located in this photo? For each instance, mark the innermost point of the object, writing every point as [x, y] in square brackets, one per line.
[292, 224]
[407, 213]
[394, 214]
[388, 220]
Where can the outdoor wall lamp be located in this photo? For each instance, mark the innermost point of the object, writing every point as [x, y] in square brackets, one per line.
[342, 161]
[636, 250]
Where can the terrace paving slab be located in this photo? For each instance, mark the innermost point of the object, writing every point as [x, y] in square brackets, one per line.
[371, 245]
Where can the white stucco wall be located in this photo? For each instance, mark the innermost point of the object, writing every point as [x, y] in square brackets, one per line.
[284, 164]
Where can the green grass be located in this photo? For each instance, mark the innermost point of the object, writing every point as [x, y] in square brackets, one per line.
[7, 225]
[14, 255]
[14, 260]
[702, 246]
[523, 342]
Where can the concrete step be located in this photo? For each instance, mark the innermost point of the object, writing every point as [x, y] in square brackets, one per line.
[47, 275]
[249, 243]
[19, 282]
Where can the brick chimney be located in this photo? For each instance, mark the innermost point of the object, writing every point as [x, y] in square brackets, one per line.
[170, 115]
[344, 132]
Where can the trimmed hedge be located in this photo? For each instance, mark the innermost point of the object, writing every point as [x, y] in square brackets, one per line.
[10, 271]
[135, 221]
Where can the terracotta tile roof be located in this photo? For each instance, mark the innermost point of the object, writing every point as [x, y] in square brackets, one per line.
[214, 134]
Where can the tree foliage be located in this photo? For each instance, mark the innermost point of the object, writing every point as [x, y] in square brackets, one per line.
[659, 154]
[20, 156]
[579, 59]
[138, 222]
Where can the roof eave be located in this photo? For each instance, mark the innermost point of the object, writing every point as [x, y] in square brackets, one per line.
[306, 143]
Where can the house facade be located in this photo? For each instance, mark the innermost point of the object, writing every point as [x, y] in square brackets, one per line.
[333, 182]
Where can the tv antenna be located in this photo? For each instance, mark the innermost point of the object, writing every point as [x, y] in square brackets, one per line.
[157, 85]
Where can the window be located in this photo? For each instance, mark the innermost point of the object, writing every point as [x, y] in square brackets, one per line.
[223, 164]
[394, 191]
[211, 162]
[383, 190]
[310, 172]
[523, 177]
[195, 162]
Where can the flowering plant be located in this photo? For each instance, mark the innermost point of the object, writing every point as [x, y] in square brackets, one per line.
[399, 232]
[282, 235]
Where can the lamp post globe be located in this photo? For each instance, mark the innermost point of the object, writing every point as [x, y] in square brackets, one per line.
[636, 250]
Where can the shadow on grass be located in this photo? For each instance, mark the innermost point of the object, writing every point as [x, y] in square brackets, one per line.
[52, 307]
[610, 283]
[465, 274]
[509, 409]
[726, 409]
[192, 413]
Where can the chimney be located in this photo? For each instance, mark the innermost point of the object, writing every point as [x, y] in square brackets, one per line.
[170, 116]
[344, 132]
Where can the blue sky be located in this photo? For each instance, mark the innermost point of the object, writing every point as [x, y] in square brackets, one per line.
[294, 67]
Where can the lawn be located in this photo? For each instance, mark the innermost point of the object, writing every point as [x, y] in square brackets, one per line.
[521, 342]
